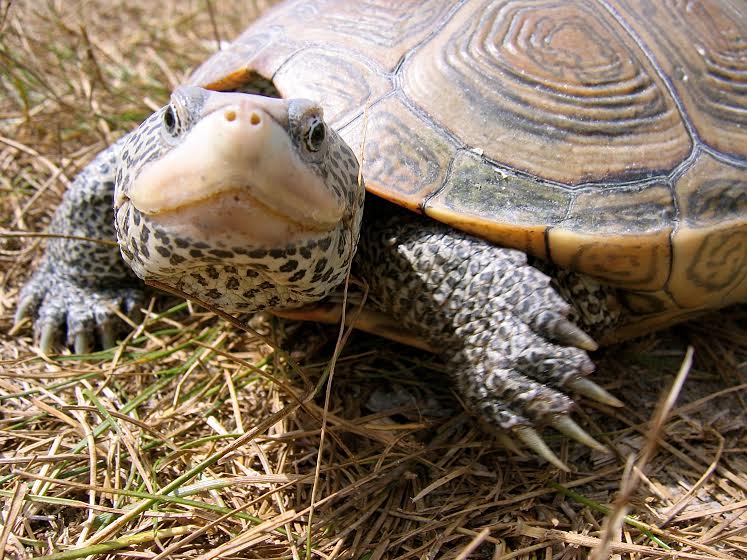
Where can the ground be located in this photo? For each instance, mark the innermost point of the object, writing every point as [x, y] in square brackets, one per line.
[195, 438]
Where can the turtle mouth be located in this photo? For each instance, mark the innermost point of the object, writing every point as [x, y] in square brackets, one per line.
[233, 217]
[241, 200]
[239, 150]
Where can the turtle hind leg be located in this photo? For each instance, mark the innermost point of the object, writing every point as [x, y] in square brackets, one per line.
[496, 320]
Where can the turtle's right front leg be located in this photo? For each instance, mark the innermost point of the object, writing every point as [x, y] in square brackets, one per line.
[80, 283]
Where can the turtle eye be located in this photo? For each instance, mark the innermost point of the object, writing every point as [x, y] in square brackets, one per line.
[316, 135]
[169, 120]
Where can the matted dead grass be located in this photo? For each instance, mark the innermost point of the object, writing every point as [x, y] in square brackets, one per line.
[195, 439]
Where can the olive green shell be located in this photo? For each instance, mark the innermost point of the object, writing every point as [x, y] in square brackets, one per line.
[607, 136]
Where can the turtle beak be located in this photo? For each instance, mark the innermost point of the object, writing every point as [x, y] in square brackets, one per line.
[240, 147]
[277, 109]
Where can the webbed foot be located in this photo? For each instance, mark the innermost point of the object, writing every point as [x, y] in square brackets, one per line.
[85, 317]
[497, 321]
[520, 355]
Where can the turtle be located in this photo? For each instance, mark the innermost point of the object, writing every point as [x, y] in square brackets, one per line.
[516, 181]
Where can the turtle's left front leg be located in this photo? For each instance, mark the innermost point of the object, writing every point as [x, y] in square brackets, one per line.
[496, 320]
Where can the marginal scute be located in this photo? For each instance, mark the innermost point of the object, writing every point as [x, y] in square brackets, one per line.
[710, 244]
[404, 158]
[702, 46]
[498, 204]
[623, 261]
[619, 235]
[344, 84]
[232, 66]
[559, 90]
[647, 303]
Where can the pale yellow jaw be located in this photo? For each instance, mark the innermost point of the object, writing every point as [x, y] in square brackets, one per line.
[234, 218]
[239, 152]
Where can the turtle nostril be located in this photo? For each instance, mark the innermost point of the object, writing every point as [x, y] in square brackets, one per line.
[230, 116]
[255, 119]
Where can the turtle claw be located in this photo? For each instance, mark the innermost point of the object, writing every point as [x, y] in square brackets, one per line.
[48, 338]
[565, 425]
[532, 440]
[87, 313]
[555, 325]
[24, 310]
[569, 334]
[107, 336]
[82, 343]
[589, 389]
[505, 439]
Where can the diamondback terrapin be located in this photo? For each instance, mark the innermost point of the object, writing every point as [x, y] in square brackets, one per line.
[591, 150]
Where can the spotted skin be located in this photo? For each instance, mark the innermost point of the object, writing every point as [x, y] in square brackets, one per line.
[596, 307]
[79, 284]
[490, 312]
[239, 278]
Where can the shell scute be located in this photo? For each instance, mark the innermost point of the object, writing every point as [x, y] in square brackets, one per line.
[499, 204]
[400, 150]
[618, 235]
[702, 48]
[710, 243]
[556, 89]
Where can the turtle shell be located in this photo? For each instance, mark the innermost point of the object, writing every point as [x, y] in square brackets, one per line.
[607, 137]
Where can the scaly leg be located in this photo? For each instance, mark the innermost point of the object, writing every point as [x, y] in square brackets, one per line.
[78, 283]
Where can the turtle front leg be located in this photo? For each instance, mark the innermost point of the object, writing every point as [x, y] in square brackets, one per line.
[498, 322]
[79, 283]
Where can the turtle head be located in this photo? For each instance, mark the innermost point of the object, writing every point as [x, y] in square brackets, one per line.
[244, 201]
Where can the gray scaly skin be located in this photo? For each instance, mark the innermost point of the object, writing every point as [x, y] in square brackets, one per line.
[497, 321]
[79, 283]
[501, 326]
[487, 308]
[194, 247]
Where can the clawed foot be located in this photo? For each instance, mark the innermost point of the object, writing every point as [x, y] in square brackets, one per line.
[87, 316]
[520, 374]
[503, 330]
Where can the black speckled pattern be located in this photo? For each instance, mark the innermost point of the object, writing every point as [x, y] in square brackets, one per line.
[248, 278]
[79, 282]
[488, 310]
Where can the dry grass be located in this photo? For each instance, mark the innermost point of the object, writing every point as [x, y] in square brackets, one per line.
[198, 440]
